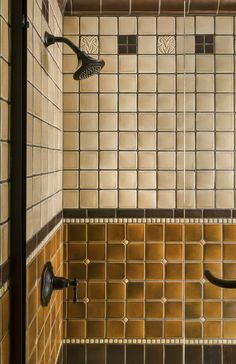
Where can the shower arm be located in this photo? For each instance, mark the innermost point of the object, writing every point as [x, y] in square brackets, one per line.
[223, 283]
[50, 39]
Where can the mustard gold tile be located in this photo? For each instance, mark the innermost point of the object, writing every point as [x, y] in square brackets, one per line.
[212, 310]
[31, 309]
[174, 251]
[135, 290]
[193, 310]
[154, 310]
[173, 329]
[154, 271]
[116, 232]
[154, 251]
[115, 271]
[229, 252]
[229, 270]
[95, 329]
[193, 252]
[77, 232]
[115, 252]
[212, 252]
[77, 270]
[173, 232]
[193, 329]
[96, 290]
[76, 311]
[212, 232]
[115, 309]
[96, 271]
[31, 275]
[229, 232]
[212, 329]
[96, 232]
[173, 310]
[135, 232]
[77, 251]
[193, 232]
[96, 251]
[134, 329]
[154, 232]
[76, 329]
[173, 290]
[135, 310]
[193, 271]
[193, 290]
[135, 271]
[115, 329]
[229, 329]
[173, 271]
[96, 309]
[154, 290]
[211, 291]
[154, 329]
[135, 251]
[115, 291]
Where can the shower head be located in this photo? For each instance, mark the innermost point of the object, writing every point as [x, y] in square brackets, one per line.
[89, 66]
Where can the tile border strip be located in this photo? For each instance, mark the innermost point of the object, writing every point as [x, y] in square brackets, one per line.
[152, 341]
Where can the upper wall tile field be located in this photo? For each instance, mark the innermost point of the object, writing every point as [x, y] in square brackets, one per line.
[154, 129]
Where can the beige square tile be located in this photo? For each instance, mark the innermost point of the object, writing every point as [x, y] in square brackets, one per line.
[127, 102]
[70, 179]
[88, 179]
[166, 121]
[166, 102]
[224, 64]
[205, 83]
[147, 160]
[166, 180]
[88, 140]
[204, 24]
[71, 141]
[146, 102]
[185, 141]
[166, 25]
[88, 85]
[186, 64]
[205, 141]
[224, 44]
[107, 121]
[186, 199]
[70, 199]
[185, 44]
[147, 44]
[205, 63]
[205, 121]
[189, 121]
[88, 199]
[4, 161]
[4, 194]
[166, 141]
[187, 159]
[69, 63]
[88, 102]
[70, 122]
[127, 25]
[186, 180]
[71, 25]
[127, 198]
[108, 44]
[166, 83]
[128, 63]
[88, 160]
[108, 102]
[146, 199]
[224, 180]
[166, 199]
[147, 121]
[205, 180]
[128, 121]
[4, 34]
[111, 64]
[89, 25]
[224, 121]
[108, 160]
[205, 160]
[147, 25]
[185, 26]
[146, 64]
[225, 199]
[147, 180]
[70, 160]
[108, 179]
[127, 140]
[4, 76]
[186, 83]
[188, 105]
[88, 121]
[166, 160]
[205, 102]
[224, 83]
[224, 102]
[166, 64]
[108, 199]
[147, 141]
[224, 141]
[224, 25]
[127, 160]
[108, 25]
[205, 199]
[224, 160]
[147, 83]
[127, 83]
[128, 179]
[108, 140]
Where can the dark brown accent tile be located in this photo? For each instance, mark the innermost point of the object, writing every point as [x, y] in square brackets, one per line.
[135, 271]
[154, 251]
[76, 232]
[133, 213]
[115, 271]
[135, 310]
[172, 6]
[115, 252]
[229, 309]
[134, 329]
[74, 353]
[193, 271]
[96, 251]
[76, 310]
[193, 213]
[115, 354]
[193, 354]
[115, 329]
[216, 213]
[173, 271]
[212, 310]
[154, 310]
[95, 329]
[212, 232]
[212, 354]
[114, 6]
[74, 213]
[159, 213]
[173, 290]
[173, 354]
[77, 270]
[135, 232]
[154, 354]
[115, 309]
[193, 310]
[77, 251]
[229, 354]
[154, 271]
[96, 290]
[96, 309]
[135, 251]
[154, 329]
[144, 7]
[212, 329]
[96, 232]
[115, 291]
[193, 251]
[96, 354]
[135, 354]
[174, 252]
[193, 329]
[135, 290]
[229, 233]
[91, 6]
[173, 232]
[173, 310]
[101, 213]
[154, 232]
[96, 271]
[212, 252]
[193, 232]
[193, 290]
[116, 232]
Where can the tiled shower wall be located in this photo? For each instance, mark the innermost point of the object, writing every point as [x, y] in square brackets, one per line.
[124, 131]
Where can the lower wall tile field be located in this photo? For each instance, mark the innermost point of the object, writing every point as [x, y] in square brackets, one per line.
[5, 327]
[145, 281]
[44, 324]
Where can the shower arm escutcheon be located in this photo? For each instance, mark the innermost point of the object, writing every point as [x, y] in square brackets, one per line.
[223, 283]
[49, 283]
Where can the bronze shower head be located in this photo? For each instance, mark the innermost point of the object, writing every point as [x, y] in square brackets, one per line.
[89, 65]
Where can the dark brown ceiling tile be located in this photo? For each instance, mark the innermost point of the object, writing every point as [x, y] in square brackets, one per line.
[78, 6]
[172, 6]
[115, 6]
[144, 6]
[203, 6]
[227, 6]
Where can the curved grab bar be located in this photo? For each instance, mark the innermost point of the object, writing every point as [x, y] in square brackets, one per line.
[219, 282]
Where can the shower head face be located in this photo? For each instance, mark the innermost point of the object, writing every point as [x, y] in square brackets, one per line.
[89, 67]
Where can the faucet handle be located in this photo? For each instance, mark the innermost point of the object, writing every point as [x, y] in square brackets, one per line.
[75, 283]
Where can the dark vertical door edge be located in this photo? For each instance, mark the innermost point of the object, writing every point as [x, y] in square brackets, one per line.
[18, 182]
